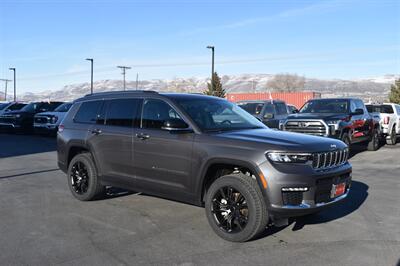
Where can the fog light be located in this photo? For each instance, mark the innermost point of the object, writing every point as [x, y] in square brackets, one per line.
[295, 189]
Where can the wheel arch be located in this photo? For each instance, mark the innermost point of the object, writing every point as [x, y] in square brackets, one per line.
[217, 167]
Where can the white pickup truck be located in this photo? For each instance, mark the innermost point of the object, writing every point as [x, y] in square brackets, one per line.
[389, 114]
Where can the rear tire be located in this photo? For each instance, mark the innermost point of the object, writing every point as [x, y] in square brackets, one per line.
[393, 138]
[235, 208]
[82, 178]
[373, 143]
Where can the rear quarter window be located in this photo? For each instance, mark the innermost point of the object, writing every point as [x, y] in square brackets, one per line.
[88, 112]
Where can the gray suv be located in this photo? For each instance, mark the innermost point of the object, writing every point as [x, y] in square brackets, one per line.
[200, 150]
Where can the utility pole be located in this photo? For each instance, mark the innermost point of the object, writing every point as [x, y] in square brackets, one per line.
[137, 80]
[5, 90]
[212, 66]
[15, 82]
[91, 74]
[124, 68]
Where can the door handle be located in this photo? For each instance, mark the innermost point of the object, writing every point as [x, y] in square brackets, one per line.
[96, 131]
[143, 136]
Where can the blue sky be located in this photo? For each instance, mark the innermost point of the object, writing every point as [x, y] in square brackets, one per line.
[48, 41]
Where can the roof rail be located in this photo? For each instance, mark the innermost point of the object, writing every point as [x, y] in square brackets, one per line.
[112, 92]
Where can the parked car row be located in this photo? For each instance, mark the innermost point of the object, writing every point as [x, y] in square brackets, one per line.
[39, 117]
[346, 119]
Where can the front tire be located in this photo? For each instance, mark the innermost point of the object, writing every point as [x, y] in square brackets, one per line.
[83, 180]
[235, 208]
[373, 144]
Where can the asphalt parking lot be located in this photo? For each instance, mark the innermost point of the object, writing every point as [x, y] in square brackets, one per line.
[42, 224]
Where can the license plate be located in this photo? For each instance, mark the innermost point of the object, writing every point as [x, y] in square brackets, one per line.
[338, 190]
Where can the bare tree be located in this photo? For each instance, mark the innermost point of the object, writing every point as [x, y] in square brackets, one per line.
[286, 82]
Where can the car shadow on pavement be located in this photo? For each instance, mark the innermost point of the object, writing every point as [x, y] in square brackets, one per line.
[357, 195]
[17, 145]
[30, 173]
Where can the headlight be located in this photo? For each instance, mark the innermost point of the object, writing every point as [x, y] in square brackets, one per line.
[284, 157]
[54, 119]
[17, 116]
[333, 122]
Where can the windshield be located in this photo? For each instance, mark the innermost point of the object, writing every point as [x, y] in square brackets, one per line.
[252, 108]
[337, 106]
[32, 107]
[63, 108]
[218, 114]
[385, 109]
[3, 105]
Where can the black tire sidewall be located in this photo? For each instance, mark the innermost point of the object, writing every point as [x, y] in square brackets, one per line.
[87, 160]
[248, 232]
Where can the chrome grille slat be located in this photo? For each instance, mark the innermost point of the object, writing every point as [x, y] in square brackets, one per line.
[311, 127]
[325, 160]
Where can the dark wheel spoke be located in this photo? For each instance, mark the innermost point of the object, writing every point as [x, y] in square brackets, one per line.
[79, 178]
[230, 210]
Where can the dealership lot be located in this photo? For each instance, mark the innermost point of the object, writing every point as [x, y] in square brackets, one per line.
[41, 223]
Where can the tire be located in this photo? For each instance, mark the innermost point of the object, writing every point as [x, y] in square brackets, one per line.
[346, 139]
[373, 143]
[252, 210]
[89, 186]
[393, 138]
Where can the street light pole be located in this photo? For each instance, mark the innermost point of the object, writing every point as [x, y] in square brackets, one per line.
[91, 74]
[124, 68]
[212, 66]
[15, 82]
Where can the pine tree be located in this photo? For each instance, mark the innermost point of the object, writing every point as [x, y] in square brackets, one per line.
[217, 89]
[394, 95]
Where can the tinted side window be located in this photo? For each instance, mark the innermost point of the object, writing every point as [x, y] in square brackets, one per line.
[359, 104]
[87, 112]
[269, 109]
[122, 112]
[156, 112]
[281, 109]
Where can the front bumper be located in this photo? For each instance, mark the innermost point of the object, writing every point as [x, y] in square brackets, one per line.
[9, 125]
[318, 187]
[45, 127]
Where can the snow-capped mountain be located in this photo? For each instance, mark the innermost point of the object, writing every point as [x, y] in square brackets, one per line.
[371, 88]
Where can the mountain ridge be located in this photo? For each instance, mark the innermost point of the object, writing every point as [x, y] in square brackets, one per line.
[376, 88]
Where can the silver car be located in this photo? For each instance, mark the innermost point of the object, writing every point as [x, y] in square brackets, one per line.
[48, 122]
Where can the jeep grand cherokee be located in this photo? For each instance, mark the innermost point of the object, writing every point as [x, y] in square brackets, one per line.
[201, 150]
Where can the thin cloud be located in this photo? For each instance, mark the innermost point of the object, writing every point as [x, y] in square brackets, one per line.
[310, 9]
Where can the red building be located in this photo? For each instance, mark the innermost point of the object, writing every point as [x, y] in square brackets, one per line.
[295, 98]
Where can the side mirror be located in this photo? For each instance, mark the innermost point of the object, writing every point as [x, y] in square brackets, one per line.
[176, 125]
[358, 111]
[268, 116]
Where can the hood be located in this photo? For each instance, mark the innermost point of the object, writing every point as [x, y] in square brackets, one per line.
[324, 116]
[58, 114]
[284, 141]
[18, 112]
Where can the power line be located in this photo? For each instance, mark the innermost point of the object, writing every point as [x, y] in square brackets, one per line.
[124, 68]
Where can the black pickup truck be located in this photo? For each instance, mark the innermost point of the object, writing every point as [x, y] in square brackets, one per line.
[346, 119]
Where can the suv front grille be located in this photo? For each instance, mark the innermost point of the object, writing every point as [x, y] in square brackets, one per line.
[292, 198]
[311, 127]
[330, 159]
[41, 119]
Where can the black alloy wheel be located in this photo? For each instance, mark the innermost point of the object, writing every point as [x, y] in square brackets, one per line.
[230, 209]
[79, 178]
